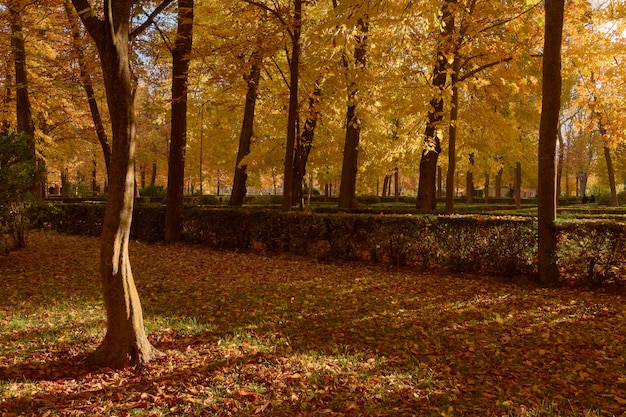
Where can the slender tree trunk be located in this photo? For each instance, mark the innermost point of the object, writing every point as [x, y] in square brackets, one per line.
[518, 185]
[292, 118]
[154, 173]
[396, 185]
[5, 125]
[350, 166]
[238, 193]
[469, 197]
[499, 183]
[611, 172]
[125, 342]
[426, 192]
[85, 77]
[178, 140]
[304, 146]
[486, 188]
[454, 116]
[22, 99]
[560, 164]
[548, 127]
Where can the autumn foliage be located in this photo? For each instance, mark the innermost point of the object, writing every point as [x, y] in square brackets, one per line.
[246, 334]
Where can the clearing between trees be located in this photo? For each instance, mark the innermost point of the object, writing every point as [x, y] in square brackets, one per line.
[246, 334]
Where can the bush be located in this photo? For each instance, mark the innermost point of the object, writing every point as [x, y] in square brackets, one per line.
[153, 191]
[591, 251]
[18, 207]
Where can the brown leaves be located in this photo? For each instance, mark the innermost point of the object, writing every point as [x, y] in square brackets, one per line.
[251, 335]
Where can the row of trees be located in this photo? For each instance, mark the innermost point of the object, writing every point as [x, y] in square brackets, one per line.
[394, 79]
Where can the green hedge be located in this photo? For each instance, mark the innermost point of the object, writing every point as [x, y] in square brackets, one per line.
[592, 251]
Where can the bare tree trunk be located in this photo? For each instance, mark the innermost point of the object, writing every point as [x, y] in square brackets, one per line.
[486, 188]
[85, 77]
[560, 164]
[454, 116]
[178, 141]
[499, 183]
[22, 99]
[292, 118]
[304, 145]
[550, 111]
[611, 172]
[238, 193]
[350, 166]
[469, 197]
[125, 342]
[518, 185]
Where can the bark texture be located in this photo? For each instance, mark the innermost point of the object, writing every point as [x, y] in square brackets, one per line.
[247, 130]
[350, 166]
[178, 138]
[426, 192]
[292, 118]
[548, 127]
[125, 342]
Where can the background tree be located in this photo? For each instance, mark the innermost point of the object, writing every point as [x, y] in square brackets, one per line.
[178, 142]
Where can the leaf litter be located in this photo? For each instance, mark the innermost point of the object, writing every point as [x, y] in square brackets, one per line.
[247, 334]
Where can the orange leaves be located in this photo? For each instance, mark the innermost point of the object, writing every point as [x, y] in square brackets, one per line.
[251, 335]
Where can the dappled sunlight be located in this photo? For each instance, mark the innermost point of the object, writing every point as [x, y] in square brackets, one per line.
[247, 334]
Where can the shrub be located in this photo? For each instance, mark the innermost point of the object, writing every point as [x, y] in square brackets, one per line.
[153, 191]
[18, 207]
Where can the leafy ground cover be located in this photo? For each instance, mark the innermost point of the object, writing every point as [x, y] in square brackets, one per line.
[246, 335]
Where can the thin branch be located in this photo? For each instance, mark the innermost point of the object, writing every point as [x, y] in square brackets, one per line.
[139, 29]
[280, 71]
[276, 14]
[505, 21]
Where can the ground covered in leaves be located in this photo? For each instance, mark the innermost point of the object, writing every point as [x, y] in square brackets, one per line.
[246, 334]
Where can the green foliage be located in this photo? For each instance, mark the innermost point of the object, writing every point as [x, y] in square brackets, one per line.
[593, 252]
[153, 191]
[18, 207]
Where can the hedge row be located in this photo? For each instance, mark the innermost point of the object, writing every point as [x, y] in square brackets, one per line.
[592, 251]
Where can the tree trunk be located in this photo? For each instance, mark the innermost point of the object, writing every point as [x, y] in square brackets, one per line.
[178, 141]
[426, 192]
[238, 193]
[22, 99]
[518, 185]
[85, 77]
[125, 342]
[548, 127]
[560, 164]
[469, 187]
[611, 172]
[396, 185]
[304, 145]
[153, 176]
[292, 118]
[486, 188]
[454, 116]
[350, 165]
[499, 183]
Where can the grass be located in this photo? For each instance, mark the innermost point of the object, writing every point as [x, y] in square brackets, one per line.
[251, 335]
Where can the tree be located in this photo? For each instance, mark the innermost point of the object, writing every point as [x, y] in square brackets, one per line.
[548, 127]
[349, 169]
[178, 142]
[125, 342]
[245, 138]
[86, 80]
[23, 112]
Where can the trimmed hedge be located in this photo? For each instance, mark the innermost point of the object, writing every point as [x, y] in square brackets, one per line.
[592, 251]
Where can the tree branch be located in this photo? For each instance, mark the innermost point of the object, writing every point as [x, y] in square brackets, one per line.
[278, 16]
[139, 29]
[88, 16]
